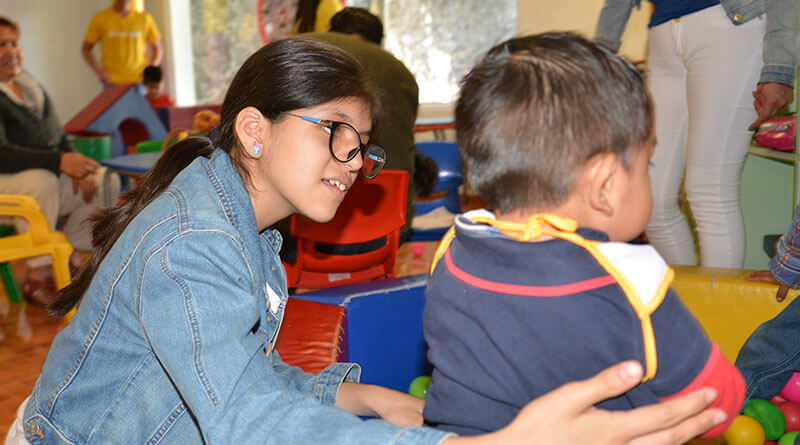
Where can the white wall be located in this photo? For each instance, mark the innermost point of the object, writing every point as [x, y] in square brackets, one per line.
[535, 16]
[52, 34]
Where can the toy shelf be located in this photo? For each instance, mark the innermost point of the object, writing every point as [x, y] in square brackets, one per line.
[768, 195]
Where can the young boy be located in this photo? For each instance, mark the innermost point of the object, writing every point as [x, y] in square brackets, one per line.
[155, 88]
[556, 134]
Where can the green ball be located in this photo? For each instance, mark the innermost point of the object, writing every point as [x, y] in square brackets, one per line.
[788, 438]
[419, 386]
[768, 415]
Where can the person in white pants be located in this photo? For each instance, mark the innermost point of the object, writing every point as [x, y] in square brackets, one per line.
[705, 59]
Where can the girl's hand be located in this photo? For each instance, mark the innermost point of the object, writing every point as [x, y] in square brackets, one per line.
[568, 415]
[765, 276]
[393, 406]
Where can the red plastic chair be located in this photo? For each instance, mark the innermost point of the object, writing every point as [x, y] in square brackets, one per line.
[372, 209]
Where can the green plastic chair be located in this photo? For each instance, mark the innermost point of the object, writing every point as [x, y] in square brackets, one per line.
[10, 283]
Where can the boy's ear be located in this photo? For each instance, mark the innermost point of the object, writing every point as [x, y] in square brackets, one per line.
[251, 129]
[602, 183]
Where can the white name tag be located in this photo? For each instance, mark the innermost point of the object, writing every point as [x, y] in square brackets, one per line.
[273, 299]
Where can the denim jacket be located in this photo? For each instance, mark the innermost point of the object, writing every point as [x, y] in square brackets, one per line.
[173, 340]
[780, 50]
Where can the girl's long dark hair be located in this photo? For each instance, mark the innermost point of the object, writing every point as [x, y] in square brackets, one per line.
[280, 77]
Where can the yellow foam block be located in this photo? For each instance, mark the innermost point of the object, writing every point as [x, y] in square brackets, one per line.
[728, 306]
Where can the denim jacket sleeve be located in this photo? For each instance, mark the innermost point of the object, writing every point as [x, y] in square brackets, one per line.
[780, 41]
[785, 265]
[199, 306]
[612, 22]
[323, 386]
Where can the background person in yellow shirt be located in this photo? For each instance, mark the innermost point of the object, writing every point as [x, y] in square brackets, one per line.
[315, 15]
[124, 34]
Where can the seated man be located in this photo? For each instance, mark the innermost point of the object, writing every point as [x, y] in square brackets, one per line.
[39, 160]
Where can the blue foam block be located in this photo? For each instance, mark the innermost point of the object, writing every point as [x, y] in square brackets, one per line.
[384, 328]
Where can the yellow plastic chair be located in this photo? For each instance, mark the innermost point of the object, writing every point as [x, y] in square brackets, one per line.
[38, 240]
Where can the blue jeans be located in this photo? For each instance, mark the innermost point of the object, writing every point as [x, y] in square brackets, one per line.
[771, 354]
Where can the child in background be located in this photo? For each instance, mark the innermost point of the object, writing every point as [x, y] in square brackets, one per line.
[556, 134]
[771, 355]
[153, 81]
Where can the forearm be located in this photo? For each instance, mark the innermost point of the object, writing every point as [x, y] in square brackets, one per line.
[156, 53]
[354, 398]
[17, 158]
[88, 56]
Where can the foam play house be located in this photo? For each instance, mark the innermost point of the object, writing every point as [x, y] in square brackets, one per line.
[122, 112]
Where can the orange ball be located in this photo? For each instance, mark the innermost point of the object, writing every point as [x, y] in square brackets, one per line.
[745, 431]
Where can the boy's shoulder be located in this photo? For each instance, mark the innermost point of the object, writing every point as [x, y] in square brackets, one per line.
[638, 268]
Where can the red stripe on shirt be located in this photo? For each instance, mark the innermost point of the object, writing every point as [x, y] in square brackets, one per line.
[528, 291]
[719, 374]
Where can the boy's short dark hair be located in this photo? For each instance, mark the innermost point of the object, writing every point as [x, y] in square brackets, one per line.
[152, 74]
[359, 21]
[537, 108]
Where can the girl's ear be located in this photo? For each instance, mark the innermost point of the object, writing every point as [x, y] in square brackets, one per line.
[251, 129]
[603, 169]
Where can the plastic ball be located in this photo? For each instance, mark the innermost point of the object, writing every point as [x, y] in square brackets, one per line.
[791, 412]
[417, 249]
[768, 415]
[777, 400]
[788, 438]
[745, 430]
[419, 386]
[791, 391]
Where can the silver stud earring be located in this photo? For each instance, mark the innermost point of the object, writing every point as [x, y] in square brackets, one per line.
[256, 149]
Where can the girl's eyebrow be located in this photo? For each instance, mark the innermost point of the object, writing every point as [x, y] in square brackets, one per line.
[346, 118]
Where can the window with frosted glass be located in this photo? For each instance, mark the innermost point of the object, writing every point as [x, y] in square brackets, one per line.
[437, 39]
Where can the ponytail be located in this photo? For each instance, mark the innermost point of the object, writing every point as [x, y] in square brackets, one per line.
[109, 223]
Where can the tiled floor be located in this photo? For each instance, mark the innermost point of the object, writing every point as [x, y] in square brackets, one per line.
[24, 340]
[27, 332]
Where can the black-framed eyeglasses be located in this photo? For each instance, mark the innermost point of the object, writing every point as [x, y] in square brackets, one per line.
[345, 143]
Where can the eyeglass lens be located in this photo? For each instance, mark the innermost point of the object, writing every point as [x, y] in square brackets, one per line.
[374, 159]
[345, 145]
[345, 142]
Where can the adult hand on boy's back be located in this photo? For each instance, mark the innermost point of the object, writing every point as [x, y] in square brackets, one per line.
[766, 276]
[568, 415]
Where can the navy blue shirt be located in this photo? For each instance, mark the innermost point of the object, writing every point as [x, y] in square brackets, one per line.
[507, 321]
[667, 10]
